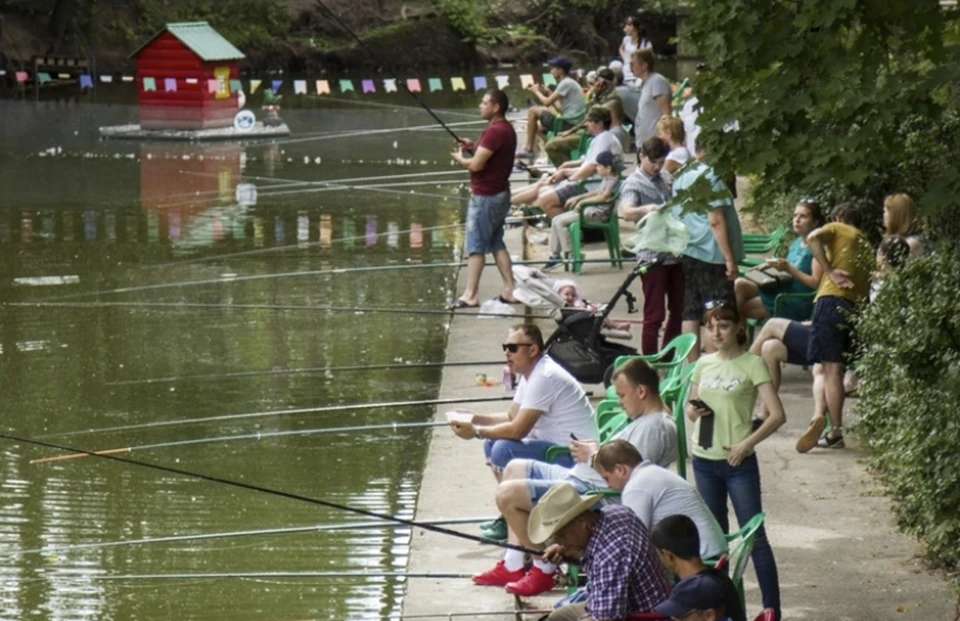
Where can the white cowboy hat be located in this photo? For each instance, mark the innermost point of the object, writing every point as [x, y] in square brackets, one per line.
[558, 507]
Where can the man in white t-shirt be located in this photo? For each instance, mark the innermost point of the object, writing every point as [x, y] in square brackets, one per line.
[525, 481]
[653, 493]
[567, 96]
[551, 193]
[656, 97]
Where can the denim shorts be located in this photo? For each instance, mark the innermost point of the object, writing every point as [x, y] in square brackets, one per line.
[542, 476]
[485, 218]
[831, 334]
[500, 452]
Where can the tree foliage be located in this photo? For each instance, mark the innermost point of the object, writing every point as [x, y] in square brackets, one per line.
[909, 392]
[828, 95]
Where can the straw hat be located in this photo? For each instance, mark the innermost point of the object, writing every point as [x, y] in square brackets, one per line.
[557, 508]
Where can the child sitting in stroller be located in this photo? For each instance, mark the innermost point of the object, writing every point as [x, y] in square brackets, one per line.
[573, 298]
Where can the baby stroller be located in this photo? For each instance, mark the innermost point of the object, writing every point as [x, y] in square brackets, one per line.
[579, 344]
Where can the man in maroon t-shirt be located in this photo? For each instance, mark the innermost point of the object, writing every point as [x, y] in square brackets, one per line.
[490, 166]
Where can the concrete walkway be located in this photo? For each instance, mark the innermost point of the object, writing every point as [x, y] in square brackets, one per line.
[839, 554]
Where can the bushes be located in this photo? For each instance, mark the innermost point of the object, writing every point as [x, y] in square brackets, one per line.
[910, 399]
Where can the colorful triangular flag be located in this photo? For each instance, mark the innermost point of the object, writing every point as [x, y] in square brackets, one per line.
[149, 84]
[346, 85]
[503, 81]
[170, 85]
[479, 83]
[254, 85]
[235, 86]
[549, 80]
[458, 84]
[299, 87]
[390, 86]
[43, 77]
[275, 85]
[435, 84]
[323, 87]
[368, 87]
[213, 85]
[413, 85]
[527, 80]
[86, 81]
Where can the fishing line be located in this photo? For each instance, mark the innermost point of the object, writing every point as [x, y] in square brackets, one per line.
[278, 307]
[377, 104]
[273, 492]
[358, 573]
[267, 413]
[357, 367]
[384, 65]
[290, 530]
[360, 133]
[243, 436]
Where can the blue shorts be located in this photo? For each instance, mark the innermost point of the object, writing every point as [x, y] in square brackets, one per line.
[485, 218]
[542, 476]
[831, 333]
[796, 338]
[500, 452]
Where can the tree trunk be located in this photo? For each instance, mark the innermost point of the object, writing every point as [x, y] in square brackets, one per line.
[63, 14]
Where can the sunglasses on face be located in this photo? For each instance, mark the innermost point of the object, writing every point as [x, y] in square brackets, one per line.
[515, 347]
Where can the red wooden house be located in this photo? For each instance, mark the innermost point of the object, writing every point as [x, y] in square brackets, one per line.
[183, 78]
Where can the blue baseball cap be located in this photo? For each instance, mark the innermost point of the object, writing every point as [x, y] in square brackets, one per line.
[561, 62]
[696, 592]
[606, 158]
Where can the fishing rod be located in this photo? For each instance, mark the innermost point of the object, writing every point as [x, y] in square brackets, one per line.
[361, 133]
[273, 492]
[267, 413]
[377, 104]
[244, 436]
[384, 65]
[290, 530]
[244, 575]
[302, 273]
[276, 307]
[356, 367]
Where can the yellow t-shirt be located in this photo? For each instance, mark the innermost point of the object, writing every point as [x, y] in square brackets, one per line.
[848, 250]
[729, 387]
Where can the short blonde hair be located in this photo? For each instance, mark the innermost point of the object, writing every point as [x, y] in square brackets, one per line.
[903, 214]
[672, 127]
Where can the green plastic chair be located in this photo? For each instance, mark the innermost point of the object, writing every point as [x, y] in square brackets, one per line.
[610, 228]
[584, 144]
[739, 547]
[614, 425]
[681, 346]
[560, 123]
[680, 419]
[606, 409]
[778, 302]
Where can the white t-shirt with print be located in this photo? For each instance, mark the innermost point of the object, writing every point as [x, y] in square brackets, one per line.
[654, 493]
[564, 404]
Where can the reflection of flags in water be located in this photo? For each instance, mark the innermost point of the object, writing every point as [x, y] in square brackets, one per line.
[217, 224]
[279, 232]
[393, 234]
[173, 224]
[326, 231]
[303, 228]
[371, 232]
[438, 238]
[89, 225]
[258, 232]
[349, 233]
[416, 235]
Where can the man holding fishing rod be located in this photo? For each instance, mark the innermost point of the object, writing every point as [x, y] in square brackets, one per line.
[490, 162]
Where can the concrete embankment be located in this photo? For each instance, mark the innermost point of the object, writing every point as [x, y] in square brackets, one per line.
[839, 554]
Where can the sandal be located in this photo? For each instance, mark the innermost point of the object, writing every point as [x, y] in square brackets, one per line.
[459, 304]
[831, 443]
[810, 437]
[504, 300]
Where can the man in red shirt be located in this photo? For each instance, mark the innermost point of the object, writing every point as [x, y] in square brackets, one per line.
[490, 166]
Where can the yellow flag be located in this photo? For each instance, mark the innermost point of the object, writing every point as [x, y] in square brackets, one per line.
[254, 85]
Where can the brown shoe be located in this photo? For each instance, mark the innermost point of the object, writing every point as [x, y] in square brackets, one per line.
[810, 437]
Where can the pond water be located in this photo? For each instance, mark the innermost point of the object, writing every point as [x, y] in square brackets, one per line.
[184, 232]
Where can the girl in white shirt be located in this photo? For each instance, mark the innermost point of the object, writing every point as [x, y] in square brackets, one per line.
[670, 129]
[634, 38]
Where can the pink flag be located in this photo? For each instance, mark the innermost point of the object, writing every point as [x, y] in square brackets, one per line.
[213, 85]
[413, 85]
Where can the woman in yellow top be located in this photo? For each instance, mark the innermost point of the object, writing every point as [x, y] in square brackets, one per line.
[728, 383]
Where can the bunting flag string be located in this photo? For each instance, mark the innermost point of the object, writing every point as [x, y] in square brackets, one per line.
[299, 87]
[549, 80]
[435, 84]
[149, 84]
[254, 85]
[170, 85]
[390, 85]
[479, 83]
[346, 86]
[323, 87]
[275, 86]
[526, 80]
[368, 86]
[503, 81]
[413, 85]
[457, 84]
[86, 81]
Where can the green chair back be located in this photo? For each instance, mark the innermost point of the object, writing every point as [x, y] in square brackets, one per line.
[610, 228]
[740, 545]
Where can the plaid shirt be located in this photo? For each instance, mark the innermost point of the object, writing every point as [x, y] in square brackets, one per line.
[626, 575]
[643, 189]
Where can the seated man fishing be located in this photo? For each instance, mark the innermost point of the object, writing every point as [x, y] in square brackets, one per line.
[626, 576]
[525, 481]
[551, 193]
[548, 407]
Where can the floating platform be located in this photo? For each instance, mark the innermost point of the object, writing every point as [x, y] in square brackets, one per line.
[135, 132]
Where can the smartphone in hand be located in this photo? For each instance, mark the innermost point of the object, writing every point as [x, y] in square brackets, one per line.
[705, 437]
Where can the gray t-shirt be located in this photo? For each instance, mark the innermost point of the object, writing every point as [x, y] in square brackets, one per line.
[654, 435]
[654, 493]
[648, 112]
[572, 101]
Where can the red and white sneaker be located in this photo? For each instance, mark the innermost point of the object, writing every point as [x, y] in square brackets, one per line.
[534, 583]
[498, 576]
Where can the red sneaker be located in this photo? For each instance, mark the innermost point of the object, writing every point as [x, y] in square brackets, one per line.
[534, 583]
[498, 576]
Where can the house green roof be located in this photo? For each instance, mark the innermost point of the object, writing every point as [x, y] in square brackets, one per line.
[203, 40]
